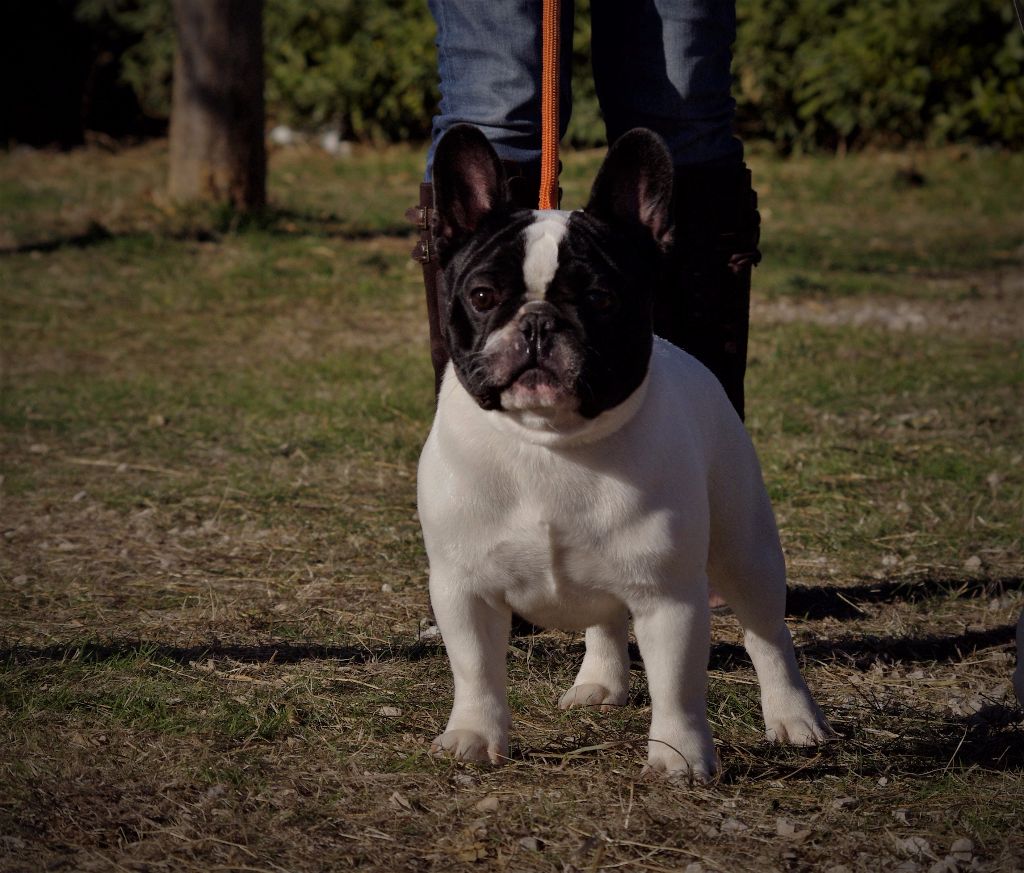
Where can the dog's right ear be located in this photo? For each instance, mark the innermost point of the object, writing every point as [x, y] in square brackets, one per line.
[469, 182]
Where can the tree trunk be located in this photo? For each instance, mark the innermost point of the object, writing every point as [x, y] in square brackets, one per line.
[217, 147]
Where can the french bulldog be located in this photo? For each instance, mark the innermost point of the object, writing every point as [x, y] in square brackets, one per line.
[581, 471]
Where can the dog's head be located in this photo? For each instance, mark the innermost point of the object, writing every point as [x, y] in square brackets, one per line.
[549, 311]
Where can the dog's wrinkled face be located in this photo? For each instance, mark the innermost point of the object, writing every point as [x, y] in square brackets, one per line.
[550, 311]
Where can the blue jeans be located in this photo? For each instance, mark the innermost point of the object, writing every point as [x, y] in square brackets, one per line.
[660, 64]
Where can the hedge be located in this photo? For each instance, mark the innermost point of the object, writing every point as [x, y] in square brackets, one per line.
[809, 73]
[832, 73]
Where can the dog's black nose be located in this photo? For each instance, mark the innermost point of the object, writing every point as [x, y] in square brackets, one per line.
[536, 328]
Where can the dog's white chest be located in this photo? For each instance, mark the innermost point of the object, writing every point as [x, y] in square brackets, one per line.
[547, 576]
[537, 554]
[564, 568]
[566, 535]
[560, 543]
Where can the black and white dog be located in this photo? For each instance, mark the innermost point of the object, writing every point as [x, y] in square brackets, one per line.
[581, 471]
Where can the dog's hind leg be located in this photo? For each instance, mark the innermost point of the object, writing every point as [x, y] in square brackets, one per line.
[747, 566]
[603, 679]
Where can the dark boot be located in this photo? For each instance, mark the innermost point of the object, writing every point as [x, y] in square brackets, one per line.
[704, 306]
[523, 186]
[433, 278]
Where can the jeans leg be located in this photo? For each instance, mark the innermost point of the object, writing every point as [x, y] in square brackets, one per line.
[665, 65]
[489, 63]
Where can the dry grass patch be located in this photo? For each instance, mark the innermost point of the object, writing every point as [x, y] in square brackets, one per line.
[214, 589]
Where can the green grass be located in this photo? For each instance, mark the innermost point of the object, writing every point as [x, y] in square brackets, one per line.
[213, 579]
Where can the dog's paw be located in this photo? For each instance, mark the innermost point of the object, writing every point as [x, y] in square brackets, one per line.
[592, 694]
[680, 762]
[469, 746]
[803, 727]
[679, 770]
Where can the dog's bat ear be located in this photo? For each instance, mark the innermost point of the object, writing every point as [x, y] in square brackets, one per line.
[634, 185]
[469, 182]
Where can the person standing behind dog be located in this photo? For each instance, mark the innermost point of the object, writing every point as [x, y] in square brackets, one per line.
[659, 64]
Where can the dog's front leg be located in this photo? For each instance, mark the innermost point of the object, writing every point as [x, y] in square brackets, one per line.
[675, 640]
[475, 635]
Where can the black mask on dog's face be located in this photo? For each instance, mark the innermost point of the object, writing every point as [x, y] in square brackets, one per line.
[550, 310]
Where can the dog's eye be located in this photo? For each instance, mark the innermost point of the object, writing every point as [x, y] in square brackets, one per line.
[483, 298]
[599, 299]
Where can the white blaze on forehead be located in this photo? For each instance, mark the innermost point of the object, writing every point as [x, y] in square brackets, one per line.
[542, 239]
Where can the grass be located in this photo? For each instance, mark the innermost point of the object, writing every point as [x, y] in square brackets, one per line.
[213, 582]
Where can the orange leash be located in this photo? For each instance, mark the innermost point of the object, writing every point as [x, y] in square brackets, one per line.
[549, 106]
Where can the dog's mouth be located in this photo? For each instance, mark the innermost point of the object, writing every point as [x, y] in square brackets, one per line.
[536, 387]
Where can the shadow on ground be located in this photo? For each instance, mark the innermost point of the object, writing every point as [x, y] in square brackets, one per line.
[813, 602]
[259, 653]
[860, 651]
[273, 221]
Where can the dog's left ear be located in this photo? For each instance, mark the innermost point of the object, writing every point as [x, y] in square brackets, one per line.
[469, 183]
[634, 185]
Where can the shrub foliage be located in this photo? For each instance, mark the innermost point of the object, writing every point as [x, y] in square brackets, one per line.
[836, 74]
[809, 73]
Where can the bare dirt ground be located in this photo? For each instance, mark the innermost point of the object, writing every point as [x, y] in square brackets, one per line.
[993, 309]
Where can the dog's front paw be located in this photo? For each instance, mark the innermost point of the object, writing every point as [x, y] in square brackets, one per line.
[466, 745]
[592, 694]
[681, 761]
[681, 771]
[803, 725]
